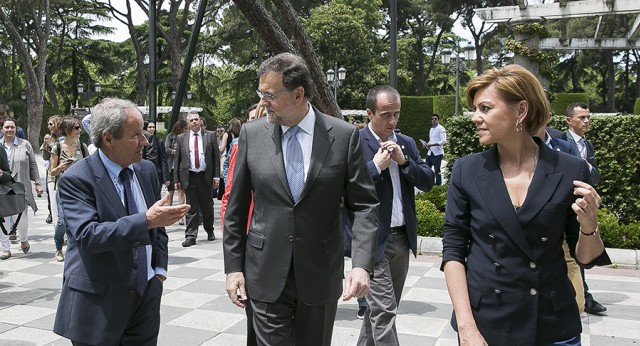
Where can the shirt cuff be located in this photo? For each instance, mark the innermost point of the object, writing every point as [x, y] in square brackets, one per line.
[161, 271]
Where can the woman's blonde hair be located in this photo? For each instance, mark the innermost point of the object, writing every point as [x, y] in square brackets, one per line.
[514, 84]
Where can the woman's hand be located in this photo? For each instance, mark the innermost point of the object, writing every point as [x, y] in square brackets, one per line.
[586, 206]
[470, 336]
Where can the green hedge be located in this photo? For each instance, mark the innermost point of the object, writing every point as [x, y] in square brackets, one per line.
[445, 106]
[430, 211]
[562, 100]
[636, 107]
[415, 118]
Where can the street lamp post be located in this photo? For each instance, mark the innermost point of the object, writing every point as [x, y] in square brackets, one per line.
[88, 94]
[469, 54]
[331, 79]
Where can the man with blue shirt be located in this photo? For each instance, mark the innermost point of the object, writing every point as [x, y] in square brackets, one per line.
[117, 253]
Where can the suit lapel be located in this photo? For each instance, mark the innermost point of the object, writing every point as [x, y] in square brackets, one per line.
[273, 148]
[322, 141]
[499, 203]
[542, 187]
[372, 142]
[573, 143]
[104, 183]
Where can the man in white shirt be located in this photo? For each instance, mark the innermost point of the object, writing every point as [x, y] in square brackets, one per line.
[437, 140]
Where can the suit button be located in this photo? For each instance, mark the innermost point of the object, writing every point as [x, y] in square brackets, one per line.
[544, 239]
[491, 236]
[291, 239]
[497, 291]
[136, 244]
[131, 293]
[532, 265]
[533, 291]
[498, 265]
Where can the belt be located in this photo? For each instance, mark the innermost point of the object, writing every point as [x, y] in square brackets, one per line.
[399, 229]
[192, 172]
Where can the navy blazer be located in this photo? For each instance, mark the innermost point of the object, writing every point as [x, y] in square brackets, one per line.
[100, 269]
[591, 156]
[417, 174]
[516, 273]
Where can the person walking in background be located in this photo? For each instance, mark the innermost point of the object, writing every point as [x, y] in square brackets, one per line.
[48, 142]
[117, 255]
[197, 171]
[171, 146]
[24, 169]
[155, 152]
[578, 117]
[64, 154]
[502, 246]
[397, 170]
[4, 114]
[437, 140]
[225, 148]
[296, 166]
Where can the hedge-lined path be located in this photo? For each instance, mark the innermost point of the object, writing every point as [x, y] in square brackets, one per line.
[196, 311]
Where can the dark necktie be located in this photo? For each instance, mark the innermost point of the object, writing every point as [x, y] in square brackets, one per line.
[141, 251]
[295, 163]
[196, 160]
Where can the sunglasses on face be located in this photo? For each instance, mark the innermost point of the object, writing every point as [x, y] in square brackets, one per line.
[76, 127]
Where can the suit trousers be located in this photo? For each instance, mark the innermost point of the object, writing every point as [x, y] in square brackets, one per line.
[390, 273]
[288, 321]
[198, 195]
[144, 321]
[435, 162]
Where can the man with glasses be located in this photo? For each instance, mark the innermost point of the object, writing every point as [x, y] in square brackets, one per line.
[395, 165]
[298, 165]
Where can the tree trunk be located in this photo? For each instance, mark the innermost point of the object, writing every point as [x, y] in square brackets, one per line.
[278, 42]
[34, 75]
[611, 81]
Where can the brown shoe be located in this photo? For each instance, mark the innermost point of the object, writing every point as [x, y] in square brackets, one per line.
[24, 245]
[5, 255]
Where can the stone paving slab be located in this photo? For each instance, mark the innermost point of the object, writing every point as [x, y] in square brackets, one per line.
[196, 311]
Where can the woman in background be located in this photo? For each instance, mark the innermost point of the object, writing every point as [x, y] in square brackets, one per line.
[5, 177]
[48, 142]
[509, 210]
[64, 154]
[171, 144]
[24, 169]
[233, 131]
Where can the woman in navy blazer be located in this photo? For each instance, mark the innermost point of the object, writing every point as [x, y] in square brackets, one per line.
[508, 211]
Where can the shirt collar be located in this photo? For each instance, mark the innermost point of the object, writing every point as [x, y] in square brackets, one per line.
[112, 168]
[547, 139]
[307, 123]
[575, 136]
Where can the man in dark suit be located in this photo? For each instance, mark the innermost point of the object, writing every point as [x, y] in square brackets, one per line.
[578, 117]
[117, 246]
[395, 165]
[197, 171]
[299, 165]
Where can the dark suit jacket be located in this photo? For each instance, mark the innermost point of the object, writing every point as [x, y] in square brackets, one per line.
[417, 174]
[591, 157]
[4, 167]
[555, 133]
[211, 157]
[562, 145]
[99, 282]
[516, 272]
[307, 234]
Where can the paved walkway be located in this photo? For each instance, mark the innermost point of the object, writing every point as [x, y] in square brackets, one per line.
[196, 311]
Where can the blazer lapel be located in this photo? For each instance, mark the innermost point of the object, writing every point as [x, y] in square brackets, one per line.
[273, 148]
[542, 187]
[371, 141]
[499, 202]
[104, 183]
[322, 140]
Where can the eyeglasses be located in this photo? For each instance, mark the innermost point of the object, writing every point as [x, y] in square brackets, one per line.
[388, 116]
[76, 127]
[269, 97]
[50, 124]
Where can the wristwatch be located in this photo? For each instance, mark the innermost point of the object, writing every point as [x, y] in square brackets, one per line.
[406, 162]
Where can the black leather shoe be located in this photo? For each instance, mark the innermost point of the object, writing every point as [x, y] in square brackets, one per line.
[49, 219]
[188, 242]
[593, 307]
[211, 236]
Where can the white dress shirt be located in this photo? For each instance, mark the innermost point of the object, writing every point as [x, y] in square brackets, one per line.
[192, 158]
[437, 135]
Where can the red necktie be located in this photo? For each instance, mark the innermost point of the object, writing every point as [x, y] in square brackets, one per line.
[195, 149]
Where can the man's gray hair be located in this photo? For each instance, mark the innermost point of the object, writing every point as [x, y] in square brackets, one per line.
[109, 116]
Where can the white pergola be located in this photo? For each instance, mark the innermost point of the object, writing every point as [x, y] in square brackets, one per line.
[563, 9]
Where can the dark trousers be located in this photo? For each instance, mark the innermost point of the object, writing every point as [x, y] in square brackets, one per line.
[587, 294]
[144, 321]
[199, 197]
[288, 321]
[434, 162]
